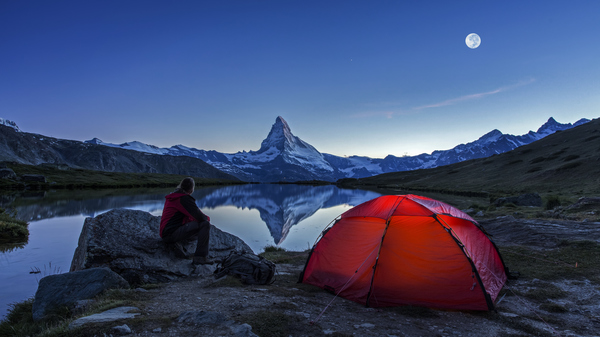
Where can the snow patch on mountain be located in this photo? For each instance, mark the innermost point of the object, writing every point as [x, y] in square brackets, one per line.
[8, 123]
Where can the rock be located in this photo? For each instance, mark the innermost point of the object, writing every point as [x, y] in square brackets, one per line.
[202, 318]
[6, 173]
[106, 316]
[65, 290]
[127, 242]
[33, 178]
[528, 199]
[479, 214]
[585, 204]
[243, 330]
[122, 329]
[81, 306]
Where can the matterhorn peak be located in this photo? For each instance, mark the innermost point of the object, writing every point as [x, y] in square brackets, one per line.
[279, 136]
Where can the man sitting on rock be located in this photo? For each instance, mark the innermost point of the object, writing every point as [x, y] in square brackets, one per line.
[182, 221]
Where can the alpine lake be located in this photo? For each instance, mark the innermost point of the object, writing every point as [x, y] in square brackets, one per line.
[287, 216]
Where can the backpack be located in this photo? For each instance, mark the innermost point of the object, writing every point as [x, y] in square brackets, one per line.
[249, 268]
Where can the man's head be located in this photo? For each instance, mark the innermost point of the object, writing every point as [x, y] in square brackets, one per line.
[187, 185]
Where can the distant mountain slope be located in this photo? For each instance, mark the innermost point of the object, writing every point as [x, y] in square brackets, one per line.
[285, 157]
[32, 149]
[563, 162]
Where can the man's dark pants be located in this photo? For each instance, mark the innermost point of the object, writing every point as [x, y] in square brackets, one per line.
[190, 231]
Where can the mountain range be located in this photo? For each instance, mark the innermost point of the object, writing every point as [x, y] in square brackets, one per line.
[33, 149]
[285, 157]
[564, 165]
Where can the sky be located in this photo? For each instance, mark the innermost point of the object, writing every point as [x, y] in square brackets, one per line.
[367, 78]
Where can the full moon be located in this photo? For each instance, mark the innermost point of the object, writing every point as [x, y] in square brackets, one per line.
[473, 40]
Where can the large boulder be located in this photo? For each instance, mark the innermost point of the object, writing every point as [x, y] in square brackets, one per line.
[64, 290]
[127, 242]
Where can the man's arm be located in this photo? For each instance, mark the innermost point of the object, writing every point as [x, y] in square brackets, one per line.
[190, 206]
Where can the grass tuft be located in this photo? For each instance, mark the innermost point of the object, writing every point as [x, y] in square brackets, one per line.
[280, 255]
[572, 260]
[12, 230]
[552, 201]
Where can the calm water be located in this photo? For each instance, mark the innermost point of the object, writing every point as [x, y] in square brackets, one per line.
[289, 216]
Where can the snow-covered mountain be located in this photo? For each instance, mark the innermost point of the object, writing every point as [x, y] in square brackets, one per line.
[281, 157]
[285, 157]
[8, 123]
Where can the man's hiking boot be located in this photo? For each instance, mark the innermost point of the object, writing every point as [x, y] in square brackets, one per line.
[180, 251]
[202, 260]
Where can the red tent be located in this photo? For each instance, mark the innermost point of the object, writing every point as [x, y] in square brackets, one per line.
[407, 250]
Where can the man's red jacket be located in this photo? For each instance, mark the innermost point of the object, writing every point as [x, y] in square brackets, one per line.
[180, 208]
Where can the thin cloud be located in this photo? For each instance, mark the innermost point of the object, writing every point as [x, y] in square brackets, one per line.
[387, 114]
[390, 113]
[475, 96]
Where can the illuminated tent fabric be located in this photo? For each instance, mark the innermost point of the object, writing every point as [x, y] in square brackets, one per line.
[407, 250]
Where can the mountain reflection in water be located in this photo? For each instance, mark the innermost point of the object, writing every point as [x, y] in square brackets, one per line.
[280, 206]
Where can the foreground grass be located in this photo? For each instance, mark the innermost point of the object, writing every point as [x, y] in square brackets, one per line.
[575, 261]
[19, 321]
[79, 178]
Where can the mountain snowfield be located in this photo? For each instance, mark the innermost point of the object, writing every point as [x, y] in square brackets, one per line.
[8, 123]
[285, 157]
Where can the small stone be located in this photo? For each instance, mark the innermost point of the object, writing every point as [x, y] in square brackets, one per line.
[303, 314]
[122, 329]
[364, 326]
[202, 317]
[157, 330]
[243, 330]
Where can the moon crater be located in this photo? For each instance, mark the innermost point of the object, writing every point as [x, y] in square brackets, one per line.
[473, 40]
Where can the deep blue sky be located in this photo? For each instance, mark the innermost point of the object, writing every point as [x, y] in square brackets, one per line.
[350, 77]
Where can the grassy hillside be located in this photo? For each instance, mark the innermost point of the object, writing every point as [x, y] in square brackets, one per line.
[59, 177]
[565, 163]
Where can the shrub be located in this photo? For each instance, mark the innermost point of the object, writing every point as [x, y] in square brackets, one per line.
[552, 201]
[11, 229]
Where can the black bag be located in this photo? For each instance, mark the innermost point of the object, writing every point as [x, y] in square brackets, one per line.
[249, 268]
